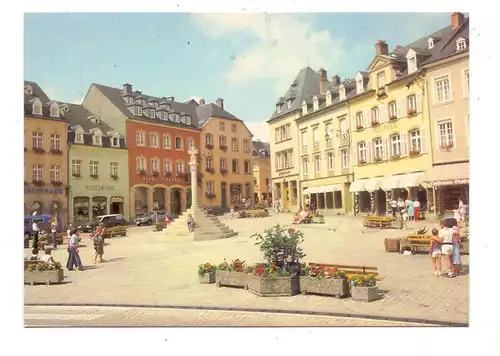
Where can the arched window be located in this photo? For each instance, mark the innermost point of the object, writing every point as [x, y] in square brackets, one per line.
[179, 165]
[167, 166]
[140, 164]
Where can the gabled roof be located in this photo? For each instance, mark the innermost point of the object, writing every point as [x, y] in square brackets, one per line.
[205, 112]
[37, 92]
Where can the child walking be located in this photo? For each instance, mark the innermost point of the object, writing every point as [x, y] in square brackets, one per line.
[404, 220]
[435, 253]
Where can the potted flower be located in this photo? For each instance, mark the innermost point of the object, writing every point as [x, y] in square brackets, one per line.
[38, 182]
[94, 176]
[395, 156]
[55, 151]
[223, 148]
[210, 170]
[447, 147]
[223, 171]
[374, 123]
[56, 183]
[361, 161]
[141, 172]
[319, 279]
[411, 112]
[38, 150]
[232, 275]
[42, 272]
[209, 146]
[364, 288]
[377, 159]
[279, 276]
[359, 127]
[414, 152]
[156, 173]
[210, 195]
[76, 175]
[206, 273]
[392, 117]
[113, 177]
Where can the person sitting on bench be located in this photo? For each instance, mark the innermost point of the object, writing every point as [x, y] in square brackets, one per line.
[301, 217]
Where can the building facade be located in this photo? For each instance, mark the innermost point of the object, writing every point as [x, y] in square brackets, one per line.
[261, 172]
[285, 167]
[99, 170]
[324, 149]
[158, 134]
[45, 155]
[225, 156]
[447, 82]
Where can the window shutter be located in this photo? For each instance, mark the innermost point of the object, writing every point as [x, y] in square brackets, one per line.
[366, 118]
[384, 148]
[355, 155]
[382, 113]
[404, 144]
[418, 99]
[369, 152]
[401, 107]
[423, 141]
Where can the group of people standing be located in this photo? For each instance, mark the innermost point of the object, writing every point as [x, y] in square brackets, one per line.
[446, 242]
[410, 206]
[74, 240]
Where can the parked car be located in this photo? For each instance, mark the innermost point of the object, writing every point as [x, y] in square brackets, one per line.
[215, 210]
[151, 217]
[43, 221]
[108, 221]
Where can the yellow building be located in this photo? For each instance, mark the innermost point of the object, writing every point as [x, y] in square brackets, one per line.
[261, 171]
[45, 155]
[285, 167]
[98, 158]
[324, 149]
[226, 156]
[389, 130]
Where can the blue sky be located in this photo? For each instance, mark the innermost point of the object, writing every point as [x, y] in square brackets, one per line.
[246, 59]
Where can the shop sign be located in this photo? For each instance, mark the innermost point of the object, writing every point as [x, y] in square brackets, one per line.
[451, 182]
[43, 190]
[99, 187]
[386, 127]
[172, 179]
[116, 199]
[284, 173]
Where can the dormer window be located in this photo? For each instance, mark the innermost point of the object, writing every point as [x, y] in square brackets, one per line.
[315, 103]
[411, 58]
[461, 44]
[430, 43]
[97, 139]
[341, 92]
[28, 90]
[54, 110]
[152, 113]
[138, 111]
[177, 118]
[79, 136]
[328, 98]
[278, 108]
[289, 103]
[115, 141]
[144, 102]
[37, 107]
[304, 108]
[188, 120]
[359, 86]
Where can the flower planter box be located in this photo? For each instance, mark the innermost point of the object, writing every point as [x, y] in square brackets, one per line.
[364, 294]
[231, 279]
[47, 277]
[207, 278]
[337, 287]
[274, 286]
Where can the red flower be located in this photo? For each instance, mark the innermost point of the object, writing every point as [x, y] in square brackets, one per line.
[259, 270]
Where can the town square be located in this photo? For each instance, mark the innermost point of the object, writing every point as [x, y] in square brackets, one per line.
[329, 198]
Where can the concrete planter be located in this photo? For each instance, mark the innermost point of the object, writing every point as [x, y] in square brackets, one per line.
[274, 286]
[319, 219]
[47, 277]
[338, 288]
[207, 278]
[364, 294]
[231, 279]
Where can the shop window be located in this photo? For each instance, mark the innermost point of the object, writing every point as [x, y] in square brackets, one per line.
[329, 200]
[321, 201]
[81, 209]
[337, 198]
[99, 206]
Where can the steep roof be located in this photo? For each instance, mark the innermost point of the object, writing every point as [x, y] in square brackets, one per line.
[205, 112]
[37, 92]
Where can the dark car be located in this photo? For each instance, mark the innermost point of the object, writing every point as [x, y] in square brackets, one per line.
[108, 221]
[151, 217]
[216, 210]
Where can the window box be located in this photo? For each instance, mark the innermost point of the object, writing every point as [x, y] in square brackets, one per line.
[210, 170]
[113, 177]
[56, 151]
[210, 195]
[414, 153]
[359, 127]
[223, 171]
[168, 174]
[38, 150]
[156, 173]
[56, 183]
[94, 176]
[447, 147]
[361, 162]
[76, 175]
[393, 117]
[395, 157]
[377, 159]
[223, 148]
[38, 183]
[141, 172]
[381, 93]
[208, 146]
[375, 123]
[411, 112]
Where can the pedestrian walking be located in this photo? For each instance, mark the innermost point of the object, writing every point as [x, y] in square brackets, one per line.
[36, 232]
[394, 207]
[98, 240]
[435, 253]
[53, 229]
[411, 210]
[416, 209]
[74, 252]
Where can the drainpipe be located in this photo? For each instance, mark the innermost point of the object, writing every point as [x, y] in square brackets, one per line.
[68, 189]
[353, 195]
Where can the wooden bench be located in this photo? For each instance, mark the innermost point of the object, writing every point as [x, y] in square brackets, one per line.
[307, 220]
[351, 271]
[115, 231]
[255, 213]
[382, 222]
[416, 242]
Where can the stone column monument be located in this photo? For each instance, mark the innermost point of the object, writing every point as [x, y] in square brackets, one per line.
[193, 165]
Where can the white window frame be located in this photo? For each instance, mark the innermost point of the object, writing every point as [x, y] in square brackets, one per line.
[55, 142]
[415, 140]
[140, 138]
[375, 114]
[209, 139]
[303, 139]
[210, 187]
[209, 162]
[54, 111]
[412, 64]
[37, 108]
[113, 169]
[76, 167]
[344, 154]
[315, 133]
[153, 139]
[411, 103]
[234, 144]
[223, 163]
[155, 165]
[37, 140]
[305, 165]
[317, 163]
[152, 113]
[167, 165]
[443, 83]
[381, 80]
[466, 83]
[445, 138]
[393, 109]
[378, 149]
[138, 111]
[246, 146]
[359, 119]
[167, 144]
[330, 159]
[233, 166]
[362, 152]
[179, 147]
[140, 164]
[113, 138]
[190, 143]
[55, 173]
[37, 172]
[396, 145]
[248, 168]
[461, 45]
[97, 139]
[78, 137]
[94, 168]
[179, 167]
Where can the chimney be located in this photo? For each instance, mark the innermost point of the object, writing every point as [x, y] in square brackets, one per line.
[381, 48]
[323, 81]
[220, 103]
[202, 101]
[127, 88]
[456, 19]
[171, 98]
[335, 81]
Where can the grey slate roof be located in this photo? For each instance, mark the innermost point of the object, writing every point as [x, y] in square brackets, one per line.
[258, 147]
[37, 92]
[77, 115]
[46, 102]
[205, 112]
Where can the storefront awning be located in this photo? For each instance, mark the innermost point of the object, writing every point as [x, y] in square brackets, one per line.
[369, 185]
[449, 174]
[323, 189]
[402, 181]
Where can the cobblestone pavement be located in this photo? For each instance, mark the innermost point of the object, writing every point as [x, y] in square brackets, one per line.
[136, 317]
[156, 268]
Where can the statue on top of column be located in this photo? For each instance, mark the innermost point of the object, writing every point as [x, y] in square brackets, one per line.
[192, 153]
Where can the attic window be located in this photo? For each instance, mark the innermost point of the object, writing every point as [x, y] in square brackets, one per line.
[28, 90]
[430, 42]
[461, 45]
[359, 86]
[152, 113]
[289, 103]
[79, 137]
[177, 118]
[412, 64]
[115, 141]
[54, 110]
[37, 108]
[342, 93]
[315, 103]
[97, 138]
[304, 108]
[138, 111]
[278, 108]
[188, 120]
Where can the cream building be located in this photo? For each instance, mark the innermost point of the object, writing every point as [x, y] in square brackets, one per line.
[98, 159]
